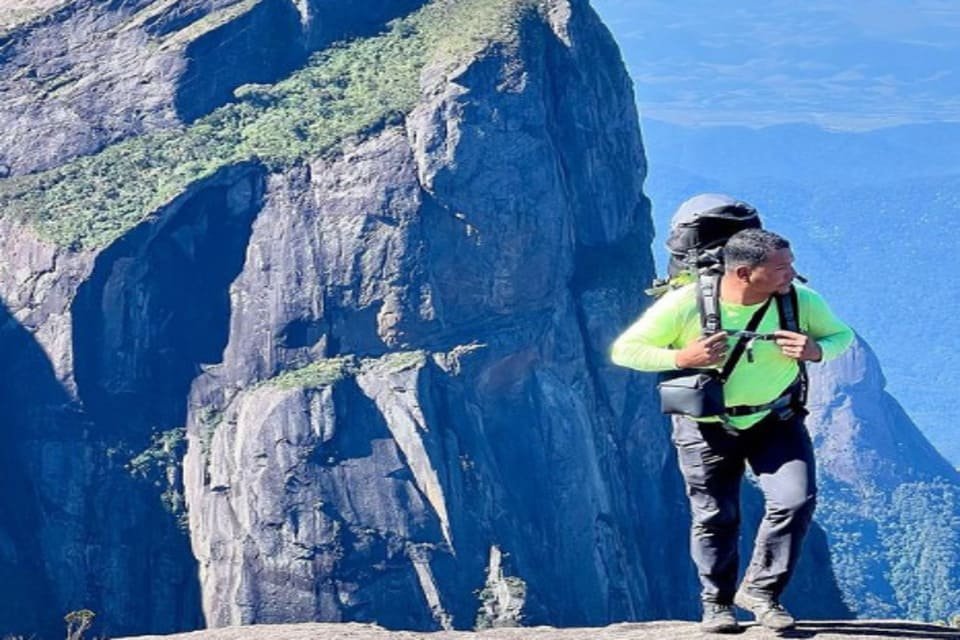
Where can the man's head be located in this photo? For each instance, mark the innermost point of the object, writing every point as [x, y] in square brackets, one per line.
[760, 260]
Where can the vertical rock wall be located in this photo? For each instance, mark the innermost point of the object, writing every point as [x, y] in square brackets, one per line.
[88, 74]
[463, 275]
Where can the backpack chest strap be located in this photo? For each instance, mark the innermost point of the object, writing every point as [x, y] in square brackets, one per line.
[788, 305]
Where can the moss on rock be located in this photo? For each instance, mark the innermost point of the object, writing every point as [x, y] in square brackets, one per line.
[348, 89]
[320, 373]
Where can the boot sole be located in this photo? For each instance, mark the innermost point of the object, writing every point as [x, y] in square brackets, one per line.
[723, 628]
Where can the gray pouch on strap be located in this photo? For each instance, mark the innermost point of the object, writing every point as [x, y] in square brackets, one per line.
[699, 395]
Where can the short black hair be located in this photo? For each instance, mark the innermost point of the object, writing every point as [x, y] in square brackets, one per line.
[752, 247]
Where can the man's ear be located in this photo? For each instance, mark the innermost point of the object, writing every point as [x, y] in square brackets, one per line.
[743, 273]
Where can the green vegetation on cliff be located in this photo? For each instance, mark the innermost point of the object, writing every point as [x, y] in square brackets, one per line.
[320, 373]
[160, 464]
[896, 554]
[328, 371]
[349, 89]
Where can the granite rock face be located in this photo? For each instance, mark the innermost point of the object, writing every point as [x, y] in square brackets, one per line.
[863, 436]
[446, 272]
[97, 358]
[466, 266]
[86, 74]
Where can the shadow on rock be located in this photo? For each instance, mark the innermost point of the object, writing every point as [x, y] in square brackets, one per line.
[28, 383]
[872, 629]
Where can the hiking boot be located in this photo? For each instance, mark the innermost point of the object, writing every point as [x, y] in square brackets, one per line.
[765, 609]
[718, 618]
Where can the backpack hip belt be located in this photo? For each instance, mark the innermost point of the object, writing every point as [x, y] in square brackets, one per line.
[792, 398]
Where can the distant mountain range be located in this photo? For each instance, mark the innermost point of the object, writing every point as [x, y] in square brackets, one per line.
[804, 154]
[764, 62]
[871, 216]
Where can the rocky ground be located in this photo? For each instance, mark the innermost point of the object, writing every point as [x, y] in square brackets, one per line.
[673, 630]
[16, 11]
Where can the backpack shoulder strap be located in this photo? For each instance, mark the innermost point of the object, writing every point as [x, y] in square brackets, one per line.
[708, 302]
[788, 306]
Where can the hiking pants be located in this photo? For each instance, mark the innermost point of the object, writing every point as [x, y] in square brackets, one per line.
[712, 464]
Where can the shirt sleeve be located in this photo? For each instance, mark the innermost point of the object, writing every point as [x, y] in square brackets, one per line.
[646, 344]
[831, 333]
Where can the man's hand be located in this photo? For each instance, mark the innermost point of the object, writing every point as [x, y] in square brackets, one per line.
[798, 346]
[705, 352]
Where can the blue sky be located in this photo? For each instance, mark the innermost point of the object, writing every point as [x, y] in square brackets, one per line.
[855, 65]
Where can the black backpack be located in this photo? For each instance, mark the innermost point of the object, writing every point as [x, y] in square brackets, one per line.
[699, 229]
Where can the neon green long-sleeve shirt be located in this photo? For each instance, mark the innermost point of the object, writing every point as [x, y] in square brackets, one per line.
[652, 342]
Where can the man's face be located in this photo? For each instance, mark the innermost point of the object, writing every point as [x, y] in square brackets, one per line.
[774, 275]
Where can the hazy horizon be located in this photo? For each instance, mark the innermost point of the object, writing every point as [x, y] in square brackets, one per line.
[841, 67]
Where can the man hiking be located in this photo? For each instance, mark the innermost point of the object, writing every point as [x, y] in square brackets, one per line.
[760, 421]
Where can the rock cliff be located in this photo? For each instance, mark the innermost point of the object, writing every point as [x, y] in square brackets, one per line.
[79, 75]
[387, 413]
[377, 294]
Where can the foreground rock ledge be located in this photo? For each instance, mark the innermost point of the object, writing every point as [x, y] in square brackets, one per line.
[668, 630]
